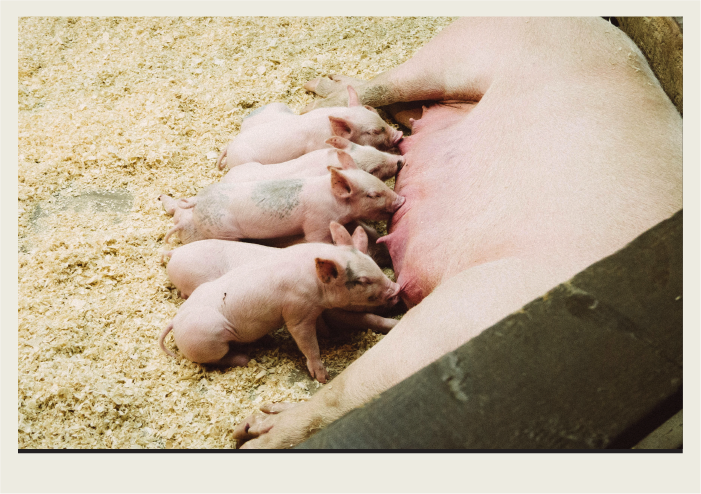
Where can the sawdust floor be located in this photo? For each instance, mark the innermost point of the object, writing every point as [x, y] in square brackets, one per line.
[112, 113]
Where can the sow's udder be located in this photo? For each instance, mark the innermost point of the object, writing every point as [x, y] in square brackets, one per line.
[420, 237]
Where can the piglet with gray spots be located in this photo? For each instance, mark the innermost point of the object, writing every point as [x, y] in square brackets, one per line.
[274, 134]
[292, 287]
[378, 163]
[282, 208]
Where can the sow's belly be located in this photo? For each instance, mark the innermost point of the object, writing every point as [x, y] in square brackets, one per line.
[427, 235]
[481, 186]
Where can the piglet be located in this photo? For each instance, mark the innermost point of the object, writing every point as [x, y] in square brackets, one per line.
[375, 162]
[280, 208]
[199, 262]
[291, 287]
[276, 135]
[377, 251]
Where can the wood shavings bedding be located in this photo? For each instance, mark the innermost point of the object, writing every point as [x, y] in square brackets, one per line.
[112, 113]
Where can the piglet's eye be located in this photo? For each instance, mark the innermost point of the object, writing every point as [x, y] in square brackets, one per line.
[363, 280]
[372, 195]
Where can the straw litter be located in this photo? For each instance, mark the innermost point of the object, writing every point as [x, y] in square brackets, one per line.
[112, 113]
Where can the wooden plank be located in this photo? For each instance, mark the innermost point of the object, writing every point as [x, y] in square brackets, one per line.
[661, 41]
[594, 363]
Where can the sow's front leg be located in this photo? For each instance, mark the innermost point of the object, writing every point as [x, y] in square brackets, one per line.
[462, 307]
[332, 88]
[437, 72]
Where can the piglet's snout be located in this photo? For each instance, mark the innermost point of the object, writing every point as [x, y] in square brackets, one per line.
[397, 137]
[391, 140]
[398, 202]
[392, 293]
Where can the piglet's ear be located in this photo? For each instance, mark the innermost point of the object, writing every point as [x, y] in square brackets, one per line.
[367, 107]
[360, 240]
[340, 127]
[353, 99]
[326, 270]
[338, 142]
[346, 161]
[340, 185]
[339, 234]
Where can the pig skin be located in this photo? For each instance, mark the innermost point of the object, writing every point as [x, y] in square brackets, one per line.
[282, 208]
[276, 134]
[203, 261]
[546, 144]
[378, 252]
[378, 163]
[293, 286]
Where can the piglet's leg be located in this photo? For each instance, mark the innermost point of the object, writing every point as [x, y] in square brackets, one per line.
[233, 359]
[238, 153]
[343, 319]
[304, 334]
[315, 233]
[169, 204]
[202, 336]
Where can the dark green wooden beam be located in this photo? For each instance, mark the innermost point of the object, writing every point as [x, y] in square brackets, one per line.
[594, 363]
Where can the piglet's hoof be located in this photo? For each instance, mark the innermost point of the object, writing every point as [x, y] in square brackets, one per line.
[168, 203]
[318, 372]
[236, 360]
